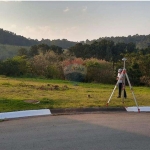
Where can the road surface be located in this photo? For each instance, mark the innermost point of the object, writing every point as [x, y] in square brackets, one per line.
[99, 131]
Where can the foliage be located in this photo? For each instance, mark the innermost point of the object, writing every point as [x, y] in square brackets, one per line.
[141, 41]
[9, 51]
[10, 38]
[99, 71]
[102, 57]
[46, 65]
[72, 60]
[52, 72]
[14, 67]
[22, 52]
[74, 69]
[43, 48]
[105, 50]
[138, 68]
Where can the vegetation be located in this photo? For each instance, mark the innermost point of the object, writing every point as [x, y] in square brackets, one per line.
[102, 60]
[9, 51]
[10, 38]
[24, 94]
[45, 59]
[141, 41]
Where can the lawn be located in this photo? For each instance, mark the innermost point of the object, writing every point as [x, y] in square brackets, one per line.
[27, 94]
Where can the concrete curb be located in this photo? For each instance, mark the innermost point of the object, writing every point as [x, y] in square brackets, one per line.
[41, 112]
[26, 113]
[85, 110]
[141, 109]
[68, 111]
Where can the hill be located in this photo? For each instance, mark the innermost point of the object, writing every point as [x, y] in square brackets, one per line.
[141, 41]
[10, 38]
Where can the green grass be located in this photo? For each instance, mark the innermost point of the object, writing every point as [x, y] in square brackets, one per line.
[63, 94]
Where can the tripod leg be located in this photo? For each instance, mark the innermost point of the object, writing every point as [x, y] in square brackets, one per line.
[122, 95]
[112, 93]
[132, 92]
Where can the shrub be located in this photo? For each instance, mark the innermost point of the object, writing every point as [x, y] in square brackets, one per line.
[145, 80]
[99, 71]
[16, 66]
[74, 69]
[54, 72]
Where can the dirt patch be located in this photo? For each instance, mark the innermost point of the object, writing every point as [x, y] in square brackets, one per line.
[53, 87]
[32, 101]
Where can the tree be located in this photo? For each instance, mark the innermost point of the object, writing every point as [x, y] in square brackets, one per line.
[42, 48]
[15, 66]
[33, 51]
[22, 51]
[131, 47]
[56, 49]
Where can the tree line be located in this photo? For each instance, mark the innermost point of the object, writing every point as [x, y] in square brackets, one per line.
[38, 58]
[137, 63]
[141, 41]
[102, 60]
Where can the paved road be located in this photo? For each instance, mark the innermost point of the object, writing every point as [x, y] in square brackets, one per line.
[101, 131]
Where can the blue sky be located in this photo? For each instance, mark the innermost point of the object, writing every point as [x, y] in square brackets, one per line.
[75, 20]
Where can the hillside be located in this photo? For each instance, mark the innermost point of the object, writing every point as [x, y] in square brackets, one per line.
[9, 51]
[141, 41]
[10, 38]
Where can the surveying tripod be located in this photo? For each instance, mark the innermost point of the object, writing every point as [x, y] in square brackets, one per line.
[123, 75]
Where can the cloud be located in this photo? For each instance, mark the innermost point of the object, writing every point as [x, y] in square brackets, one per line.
[84, 9]
[66, 10]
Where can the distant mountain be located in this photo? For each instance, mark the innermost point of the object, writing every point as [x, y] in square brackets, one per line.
[10, 38]
[141, 41]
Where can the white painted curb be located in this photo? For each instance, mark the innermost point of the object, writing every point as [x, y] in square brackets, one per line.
[26, 113]
[135, 109]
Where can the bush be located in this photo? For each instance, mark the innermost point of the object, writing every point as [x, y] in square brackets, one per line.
[74, 69]
[145, 80]
[16, 66]
[99, 71]
[54, 72]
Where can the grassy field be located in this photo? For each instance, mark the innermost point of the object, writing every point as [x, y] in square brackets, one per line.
[26, 94]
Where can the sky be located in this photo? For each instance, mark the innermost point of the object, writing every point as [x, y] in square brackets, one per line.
[75, 20]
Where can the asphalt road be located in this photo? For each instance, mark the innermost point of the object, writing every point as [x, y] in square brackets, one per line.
[101, 131]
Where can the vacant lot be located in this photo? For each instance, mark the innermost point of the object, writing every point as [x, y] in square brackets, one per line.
[25, 94]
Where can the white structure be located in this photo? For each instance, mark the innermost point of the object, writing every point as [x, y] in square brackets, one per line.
[26, 113]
